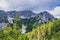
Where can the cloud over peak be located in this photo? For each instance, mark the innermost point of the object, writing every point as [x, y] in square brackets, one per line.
[34, 5]
[27, 4]
[56, 12]
[3, 4]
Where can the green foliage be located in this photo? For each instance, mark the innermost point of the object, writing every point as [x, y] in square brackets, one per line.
[48, 31]
[30, 23]
[56, 36]
[36, 24]
[17, 22]
[45, 31]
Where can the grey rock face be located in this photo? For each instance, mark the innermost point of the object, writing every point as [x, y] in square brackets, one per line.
[44, 17]
[2, 25]
[10, 15]
[3, 16]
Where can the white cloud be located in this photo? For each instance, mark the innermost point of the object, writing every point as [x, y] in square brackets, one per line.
[56, 12]
[28, 4]
[3, 4]
[35, 5]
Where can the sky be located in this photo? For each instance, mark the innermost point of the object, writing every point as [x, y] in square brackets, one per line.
[52, 6]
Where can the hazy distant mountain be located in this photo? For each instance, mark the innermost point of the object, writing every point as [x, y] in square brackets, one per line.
[10, 15]
[3, 16]
[44, 17]
[26, 13]
[20, 13]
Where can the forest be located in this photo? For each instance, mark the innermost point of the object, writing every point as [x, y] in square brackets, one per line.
[46, 31]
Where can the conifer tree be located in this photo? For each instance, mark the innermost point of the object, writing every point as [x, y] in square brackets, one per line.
[17, 22]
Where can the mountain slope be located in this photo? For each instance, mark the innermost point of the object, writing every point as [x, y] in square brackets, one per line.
[41, 17]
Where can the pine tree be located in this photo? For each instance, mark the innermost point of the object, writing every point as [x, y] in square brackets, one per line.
[17, 22]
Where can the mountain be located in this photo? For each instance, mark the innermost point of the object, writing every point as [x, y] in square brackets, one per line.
[25, 14]
[42, 17]
[3, 16]
[11, 14]
[22, 14]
